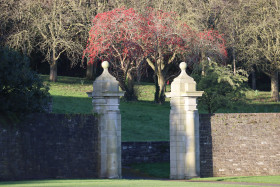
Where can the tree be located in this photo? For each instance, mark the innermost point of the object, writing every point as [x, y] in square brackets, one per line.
[52, 27]
[21, 90]
[261, 38]
[164, 38]
[222, 87]
[92, 8]
[209, 43]
[113, 37]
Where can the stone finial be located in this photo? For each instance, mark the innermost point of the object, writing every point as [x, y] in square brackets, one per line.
[183, 66]
[105, 84]
[105, 65]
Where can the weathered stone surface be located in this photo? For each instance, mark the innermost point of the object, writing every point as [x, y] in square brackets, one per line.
[105, 101]
[184, 127]
[240, 144]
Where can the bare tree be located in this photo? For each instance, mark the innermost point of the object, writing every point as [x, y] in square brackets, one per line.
[52, 27]
[261, 38]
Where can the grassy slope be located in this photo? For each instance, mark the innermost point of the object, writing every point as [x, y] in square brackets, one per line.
[142, 120]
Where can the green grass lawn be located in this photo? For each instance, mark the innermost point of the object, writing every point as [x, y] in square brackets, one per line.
[111, 183]
[249, 179]
[142, 120]
[161, 170]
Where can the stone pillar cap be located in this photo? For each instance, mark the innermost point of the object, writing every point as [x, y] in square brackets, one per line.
[184, 85]
[105, 85]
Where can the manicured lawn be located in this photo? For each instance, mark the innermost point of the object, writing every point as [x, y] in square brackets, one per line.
[142, 120]
[107, 183]
[161, 170]
[249, 179]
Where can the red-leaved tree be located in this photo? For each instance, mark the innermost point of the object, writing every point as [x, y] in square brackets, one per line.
[209, 43]
[125, 38]
[164, 40]
[114, 37]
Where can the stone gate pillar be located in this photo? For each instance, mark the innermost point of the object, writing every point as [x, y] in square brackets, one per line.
[184, 127]
[105, 101]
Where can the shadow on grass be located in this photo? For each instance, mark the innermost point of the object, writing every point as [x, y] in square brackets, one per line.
[74, 105]
[67, 80]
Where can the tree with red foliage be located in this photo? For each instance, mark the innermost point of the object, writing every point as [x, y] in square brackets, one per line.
[124, 38]
[209, 43]
[164, 39]
[113, 37]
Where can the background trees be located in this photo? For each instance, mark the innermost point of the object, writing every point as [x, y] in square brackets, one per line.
[52, 27]
[58, 29]
[261, 38]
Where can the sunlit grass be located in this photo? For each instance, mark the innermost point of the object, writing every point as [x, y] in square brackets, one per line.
[248, 179]
[162, 170]
[106, 183]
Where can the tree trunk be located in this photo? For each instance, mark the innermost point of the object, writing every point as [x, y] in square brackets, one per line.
[53, 71]
[234, 61]
[53, 66]
[275, 86]
[89, 73]
[160, 88]
[156, 97]
[202, 64]
[254, 83]
[130, 94]
[161, 83]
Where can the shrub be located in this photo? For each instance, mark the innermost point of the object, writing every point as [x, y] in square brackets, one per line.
[222, 88]
[21, 90]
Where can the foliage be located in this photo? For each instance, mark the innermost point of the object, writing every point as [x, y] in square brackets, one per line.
[21, 90]
[113, 37]
[211, 43]
[222, 88]
[165, 40]
[261, 39]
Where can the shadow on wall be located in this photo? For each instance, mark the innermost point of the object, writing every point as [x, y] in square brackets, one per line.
[47, 146]
[206, 153]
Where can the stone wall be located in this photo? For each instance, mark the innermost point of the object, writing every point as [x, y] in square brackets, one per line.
[49, 146]
[65, 146]
[230, 145]
[240, 144]
[145, 152]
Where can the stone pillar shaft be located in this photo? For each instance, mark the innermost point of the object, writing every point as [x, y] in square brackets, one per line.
[184, 127]
[105, 101]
